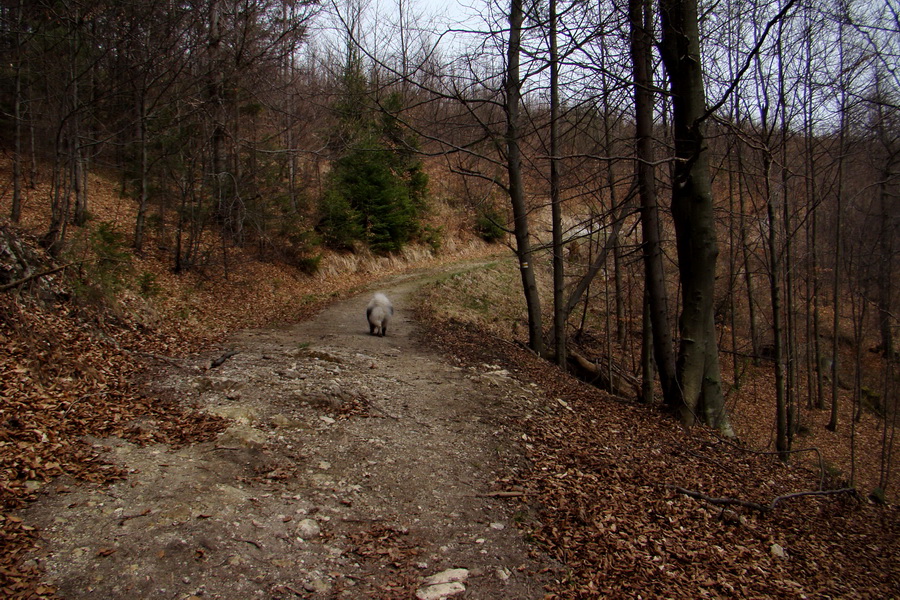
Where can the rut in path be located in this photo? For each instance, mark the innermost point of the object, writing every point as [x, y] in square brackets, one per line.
[356, 466]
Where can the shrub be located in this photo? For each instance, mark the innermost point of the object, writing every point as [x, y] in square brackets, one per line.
[367, 200]
[106, 264]
[148, 286]
[339, 223]
[433, 236]
[488, 227]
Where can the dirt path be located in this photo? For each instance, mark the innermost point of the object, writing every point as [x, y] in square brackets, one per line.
[355, 467]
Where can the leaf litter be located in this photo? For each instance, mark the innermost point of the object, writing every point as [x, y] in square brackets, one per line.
[599, 494]
[603, 488]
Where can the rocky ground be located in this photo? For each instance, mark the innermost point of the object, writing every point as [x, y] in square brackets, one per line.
[354, 466]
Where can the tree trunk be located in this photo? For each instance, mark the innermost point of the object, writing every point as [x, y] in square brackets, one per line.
[608, 150]
[772, 199]
[16, 212]
[887, 226]
[752, 313]
[782, 322]
[647, 370]
[817, 388]
[513, 86]
[144, 193]
[81, 162]
[597, 263]
[838, 245]
[697, 366]
[217, 109]
[886, 263]
[654, 275]
[560, 314]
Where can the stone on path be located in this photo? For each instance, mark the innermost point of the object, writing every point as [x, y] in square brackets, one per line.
[441, 590]
[442, 585]
[308, 528]
[447, 576]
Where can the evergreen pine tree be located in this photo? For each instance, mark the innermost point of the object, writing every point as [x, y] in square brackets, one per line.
[377, 187]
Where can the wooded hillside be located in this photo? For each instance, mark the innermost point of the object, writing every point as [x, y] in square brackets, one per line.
[701, 197]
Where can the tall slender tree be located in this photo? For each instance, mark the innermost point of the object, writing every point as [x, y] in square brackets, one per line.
[697, 368]
[560, 315]
[641, 22]
[512, 107]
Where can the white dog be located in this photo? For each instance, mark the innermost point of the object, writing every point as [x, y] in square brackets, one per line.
[378, 313]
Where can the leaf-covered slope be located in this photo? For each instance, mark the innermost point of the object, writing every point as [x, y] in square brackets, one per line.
[606, 487]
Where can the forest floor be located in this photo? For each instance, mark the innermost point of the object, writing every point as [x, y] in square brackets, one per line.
[335, 464]
[320, 462]
[353, 466]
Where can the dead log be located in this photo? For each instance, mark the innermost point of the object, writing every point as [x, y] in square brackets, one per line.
[14, 284]
[218, 362]
[605, 376]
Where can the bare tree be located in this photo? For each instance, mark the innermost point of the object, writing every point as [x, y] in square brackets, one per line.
[512, 105]
[560, 315]
[697, 367]
[641, 21]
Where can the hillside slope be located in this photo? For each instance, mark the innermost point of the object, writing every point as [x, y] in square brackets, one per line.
[81, 331]
[635, 506]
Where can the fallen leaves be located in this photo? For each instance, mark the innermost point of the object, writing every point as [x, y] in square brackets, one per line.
[390, 553]
[606, 480]
[69, 378]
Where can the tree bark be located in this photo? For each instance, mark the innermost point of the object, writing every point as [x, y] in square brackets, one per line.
[144, 193]
[697, 367]
[513, 85]
[216, 91]
[654, 275]
[16, 212]
[887, 225]
[816, 388]
[781, 419]
[560, 314]
[838, 243]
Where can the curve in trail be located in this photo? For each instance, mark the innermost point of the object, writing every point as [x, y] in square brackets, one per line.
[356, 466]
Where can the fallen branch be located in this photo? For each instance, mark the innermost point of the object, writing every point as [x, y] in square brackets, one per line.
[218, 362]
[298, 593]
[14, 284]
[754, 505]
[134, 516]
[503, 494]
[719, 501]
[605, 376]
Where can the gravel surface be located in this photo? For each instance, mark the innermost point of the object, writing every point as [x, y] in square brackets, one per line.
[355, 466]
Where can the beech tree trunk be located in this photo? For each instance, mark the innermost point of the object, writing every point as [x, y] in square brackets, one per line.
[782, 444]
[560, 314]
[838, 240]
[698, 377]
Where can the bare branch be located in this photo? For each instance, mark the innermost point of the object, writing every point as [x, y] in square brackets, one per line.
[763, 508]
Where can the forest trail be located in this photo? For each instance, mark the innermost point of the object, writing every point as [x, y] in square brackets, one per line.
[354, 466]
